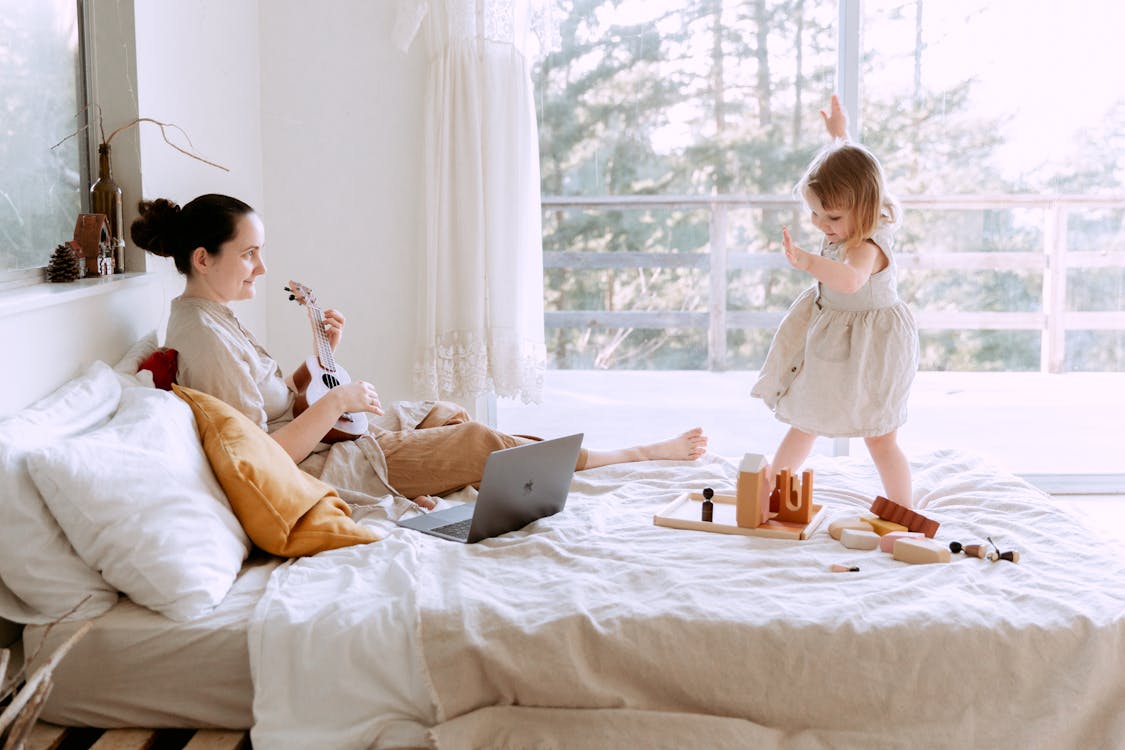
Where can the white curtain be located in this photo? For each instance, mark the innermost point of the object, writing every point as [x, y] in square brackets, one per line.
[482, 290]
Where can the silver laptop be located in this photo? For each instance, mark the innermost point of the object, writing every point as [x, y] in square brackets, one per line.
[520, 485]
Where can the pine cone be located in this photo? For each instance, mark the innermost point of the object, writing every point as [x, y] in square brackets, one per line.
[63, 266]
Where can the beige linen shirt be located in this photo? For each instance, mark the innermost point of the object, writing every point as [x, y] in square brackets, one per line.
[217, 355]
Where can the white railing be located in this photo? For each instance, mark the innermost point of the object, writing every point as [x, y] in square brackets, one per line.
[1053, 259]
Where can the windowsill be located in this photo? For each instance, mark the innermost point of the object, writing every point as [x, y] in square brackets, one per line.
[21, 299]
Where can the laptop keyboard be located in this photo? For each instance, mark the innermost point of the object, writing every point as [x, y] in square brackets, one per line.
[460, 529]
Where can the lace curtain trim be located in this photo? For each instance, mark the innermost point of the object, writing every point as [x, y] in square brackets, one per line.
[461, 365]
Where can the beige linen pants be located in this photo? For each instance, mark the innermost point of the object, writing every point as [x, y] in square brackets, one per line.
[445, 452]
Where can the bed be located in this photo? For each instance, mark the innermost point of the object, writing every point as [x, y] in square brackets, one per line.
[591, 628]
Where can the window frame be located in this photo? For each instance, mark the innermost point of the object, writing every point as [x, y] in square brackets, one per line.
[14, 278]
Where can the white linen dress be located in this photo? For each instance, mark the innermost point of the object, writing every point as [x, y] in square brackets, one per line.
[841, 365]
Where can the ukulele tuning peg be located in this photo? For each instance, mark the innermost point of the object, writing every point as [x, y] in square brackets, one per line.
[292, 297]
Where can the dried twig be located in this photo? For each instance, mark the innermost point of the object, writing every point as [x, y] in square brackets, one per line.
[23, 724]
[163, 132]
[101, 125]
[41, 676]
[18, 676]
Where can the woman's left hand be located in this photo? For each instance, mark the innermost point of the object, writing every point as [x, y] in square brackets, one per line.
[334, 327]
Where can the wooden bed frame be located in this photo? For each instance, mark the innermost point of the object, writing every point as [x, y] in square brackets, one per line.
[49, 737]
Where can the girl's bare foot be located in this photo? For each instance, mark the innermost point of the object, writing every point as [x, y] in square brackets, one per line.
[426, 502]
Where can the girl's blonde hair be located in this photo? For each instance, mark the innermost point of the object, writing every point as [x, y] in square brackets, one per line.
[848, 177]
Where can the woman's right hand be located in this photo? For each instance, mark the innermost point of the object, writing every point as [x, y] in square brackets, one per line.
[359, 395]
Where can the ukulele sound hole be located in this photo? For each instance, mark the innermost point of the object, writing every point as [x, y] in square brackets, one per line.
[329, 380]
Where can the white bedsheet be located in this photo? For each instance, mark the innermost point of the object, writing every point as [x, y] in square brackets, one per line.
[595, 616]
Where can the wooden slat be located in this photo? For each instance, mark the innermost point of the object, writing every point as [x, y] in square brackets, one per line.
[125, 739]
[215, 739]
[46, 737]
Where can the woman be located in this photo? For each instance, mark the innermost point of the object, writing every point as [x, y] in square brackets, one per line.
[216, 242]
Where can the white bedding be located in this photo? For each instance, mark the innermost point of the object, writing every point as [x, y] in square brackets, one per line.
[137, 668]
[593, 619]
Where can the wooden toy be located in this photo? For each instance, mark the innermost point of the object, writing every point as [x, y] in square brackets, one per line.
[753, 492]
[856, 539]
[887, 541]
[708, 509]
[970, 550]
[684, 513]
[92, 233]
[840, 524]
[881, 526]
[794, 497]
[920, 550]
[889, 510]
[981, 551]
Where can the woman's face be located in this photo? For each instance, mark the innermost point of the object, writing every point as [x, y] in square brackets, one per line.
[230, 275]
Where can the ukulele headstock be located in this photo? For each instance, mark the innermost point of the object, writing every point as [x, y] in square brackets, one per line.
[301, 294]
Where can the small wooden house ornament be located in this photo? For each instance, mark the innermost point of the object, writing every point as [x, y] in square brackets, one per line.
[79, 257]
[91, 232]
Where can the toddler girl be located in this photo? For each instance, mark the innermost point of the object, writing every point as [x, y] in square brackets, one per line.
[844, 356]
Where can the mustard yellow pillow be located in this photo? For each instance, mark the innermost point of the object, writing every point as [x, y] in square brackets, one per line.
[284, 510]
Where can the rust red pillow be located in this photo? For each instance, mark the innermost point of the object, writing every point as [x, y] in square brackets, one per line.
[162, 364]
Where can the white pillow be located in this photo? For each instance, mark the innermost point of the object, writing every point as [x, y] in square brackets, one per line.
[137, 353]
[37, 563]
[139, 502]
[131, 360]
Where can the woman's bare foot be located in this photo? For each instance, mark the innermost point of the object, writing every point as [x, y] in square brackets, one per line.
[426, 502]
[686, 447]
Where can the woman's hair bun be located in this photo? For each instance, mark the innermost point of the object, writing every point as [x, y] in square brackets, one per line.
[157, 227]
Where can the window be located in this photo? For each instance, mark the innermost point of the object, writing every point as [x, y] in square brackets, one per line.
[671, 135]
[42, 186]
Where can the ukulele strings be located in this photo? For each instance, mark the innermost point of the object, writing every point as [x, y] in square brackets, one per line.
[324, 350]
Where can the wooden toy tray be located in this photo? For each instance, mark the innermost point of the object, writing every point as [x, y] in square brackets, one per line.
[685, 512]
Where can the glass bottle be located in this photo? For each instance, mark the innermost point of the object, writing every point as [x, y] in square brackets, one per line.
[106, 198]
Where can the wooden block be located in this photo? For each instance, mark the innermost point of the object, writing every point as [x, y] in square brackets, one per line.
[887, 541]
[215, 739]
[752, 492]
[881, 526]
[921, 551]
[840, 524]
[683, 513]
[798, 507]
[856, 539]
[889, 510]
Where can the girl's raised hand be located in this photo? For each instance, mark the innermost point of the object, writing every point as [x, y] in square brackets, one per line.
[334, 327]
[798, 258]
[835, 119]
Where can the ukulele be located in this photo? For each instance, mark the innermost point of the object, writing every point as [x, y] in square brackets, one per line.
[319, 373]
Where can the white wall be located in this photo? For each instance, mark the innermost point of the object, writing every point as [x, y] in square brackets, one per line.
[318, 117]
[341, 132]
[198, 67]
